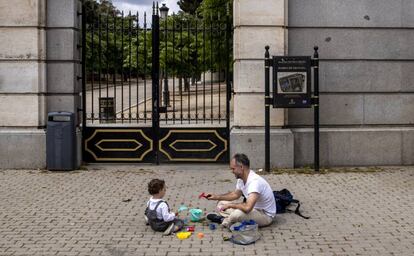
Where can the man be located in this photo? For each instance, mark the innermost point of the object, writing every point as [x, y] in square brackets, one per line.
[259, 205]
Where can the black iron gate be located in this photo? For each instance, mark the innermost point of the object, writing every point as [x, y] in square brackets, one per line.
[158, 93]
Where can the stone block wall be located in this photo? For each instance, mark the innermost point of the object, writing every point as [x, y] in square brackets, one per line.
[39, 63]
[22, 83]
[366, 80]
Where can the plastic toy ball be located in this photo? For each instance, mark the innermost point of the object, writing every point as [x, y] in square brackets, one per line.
[200, 235]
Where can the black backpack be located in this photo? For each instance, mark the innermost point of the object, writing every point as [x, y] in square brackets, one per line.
[283, 199]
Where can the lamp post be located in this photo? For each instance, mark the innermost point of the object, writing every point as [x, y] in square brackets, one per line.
[164, 11]
[166, 93]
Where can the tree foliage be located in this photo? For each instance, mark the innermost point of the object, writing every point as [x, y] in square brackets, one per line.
[121, 44]
[189, 6]
[212, 10]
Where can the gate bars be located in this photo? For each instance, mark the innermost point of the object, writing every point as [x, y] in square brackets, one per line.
[188, 59]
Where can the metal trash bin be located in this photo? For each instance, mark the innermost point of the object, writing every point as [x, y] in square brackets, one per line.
[61, 141]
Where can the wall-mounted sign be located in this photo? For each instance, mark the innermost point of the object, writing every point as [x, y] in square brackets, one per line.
[291, 82]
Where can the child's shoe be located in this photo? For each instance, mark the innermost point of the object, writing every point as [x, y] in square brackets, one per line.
[169, 230]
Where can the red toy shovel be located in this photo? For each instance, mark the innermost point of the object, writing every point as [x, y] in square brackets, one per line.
[202, 195]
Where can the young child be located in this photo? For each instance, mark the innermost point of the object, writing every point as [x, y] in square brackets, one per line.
[157, 213]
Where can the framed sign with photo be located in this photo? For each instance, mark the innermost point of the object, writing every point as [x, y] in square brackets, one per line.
[291, 82]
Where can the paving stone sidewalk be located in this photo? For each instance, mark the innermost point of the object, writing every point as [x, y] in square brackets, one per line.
[88, 212]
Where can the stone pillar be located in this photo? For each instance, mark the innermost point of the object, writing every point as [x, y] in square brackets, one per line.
[255, 26]
[63, 55]
[22, 83]
[64, 38]
[39, 64]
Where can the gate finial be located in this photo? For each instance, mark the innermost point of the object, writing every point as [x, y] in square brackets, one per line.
[316, 54]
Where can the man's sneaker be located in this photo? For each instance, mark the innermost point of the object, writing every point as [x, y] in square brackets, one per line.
[214, 217]
[169, 230]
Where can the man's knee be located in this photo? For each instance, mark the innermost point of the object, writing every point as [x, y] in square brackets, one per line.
[237, 215]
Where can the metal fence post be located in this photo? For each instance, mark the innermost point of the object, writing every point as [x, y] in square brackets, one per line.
[83, 16]
[316, 107]
[155, 77]
[267, 110]
[228, 82]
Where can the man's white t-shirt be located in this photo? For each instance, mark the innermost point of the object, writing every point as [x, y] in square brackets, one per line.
[257, 184]
[163, 212]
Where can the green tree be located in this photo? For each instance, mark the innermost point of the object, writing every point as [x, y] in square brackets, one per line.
[106, 26]
[212, 10]
[217, 14]
[189, 6]
[185, 54]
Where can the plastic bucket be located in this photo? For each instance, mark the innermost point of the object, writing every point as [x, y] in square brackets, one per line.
[195, 214]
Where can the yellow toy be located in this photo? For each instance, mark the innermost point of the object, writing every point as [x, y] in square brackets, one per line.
[183, 235]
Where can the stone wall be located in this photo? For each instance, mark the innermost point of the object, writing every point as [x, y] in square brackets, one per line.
[39, 62]
[366, 80]
[22, 83]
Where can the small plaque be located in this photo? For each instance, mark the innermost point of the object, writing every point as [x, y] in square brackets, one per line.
[291, 82]
[107, 109]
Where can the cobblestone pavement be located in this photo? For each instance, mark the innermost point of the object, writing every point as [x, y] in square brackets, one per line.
[87, 212]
